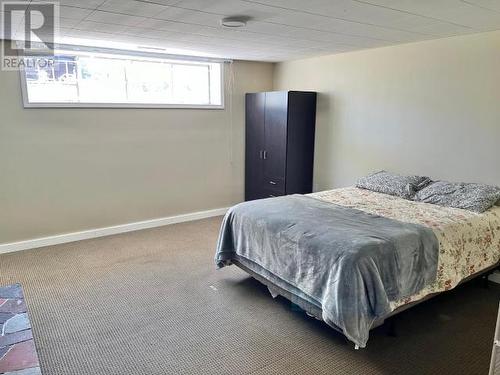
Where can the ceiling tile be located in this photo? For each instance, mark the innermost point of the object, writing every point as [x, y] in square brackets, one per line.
[101, 27]
[277, 29]
[73, 12]
[87, 34]
[86, 4]
[229, 8]
[351, 11]
[314, 35]
[440, 29]
[189, 16]
[165, 25]
[131, 7]
[492, 5]
[465, 12]
[68, 22]
[162, 2]
[115, 18]
[37, 20]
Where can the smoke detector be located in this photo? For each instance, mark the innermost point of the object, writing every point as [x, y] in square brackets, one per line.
[234, 22]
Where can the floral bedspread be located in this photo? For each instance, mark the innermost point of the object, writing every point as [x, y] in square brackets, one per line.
[468, 242]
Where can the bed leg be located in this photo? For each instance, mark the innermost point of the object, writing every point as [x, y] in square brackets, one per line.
[391, 327]
[356, 347]
[485, 281]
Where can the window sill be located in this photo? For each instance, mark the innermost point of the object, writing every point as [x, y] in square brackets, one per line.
[122, 106]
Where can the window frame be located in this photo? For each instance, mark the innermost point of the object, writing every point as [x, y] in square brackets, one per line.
[127, 53]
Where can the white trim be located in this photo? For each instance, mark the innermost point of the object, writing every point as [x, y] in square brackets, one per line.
[107, 231]
[119, 105]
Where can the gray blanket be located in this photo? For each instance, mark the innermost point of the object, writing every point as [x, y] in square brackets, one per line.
[350, 263]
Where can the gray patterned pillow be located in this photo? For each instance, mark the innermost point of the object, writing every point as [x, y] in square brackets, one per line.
[472, 197]
[393, 184]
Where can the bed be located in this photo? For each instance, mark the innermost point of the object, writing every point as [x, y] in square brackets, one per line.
[353, 257]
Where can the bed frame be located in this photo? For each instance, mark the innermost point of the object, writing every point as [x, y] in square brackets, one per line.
[316, 313]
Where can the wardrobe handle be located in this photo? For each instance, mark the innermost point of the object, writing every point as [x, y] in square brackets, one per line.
[265, 154]
[272, 182]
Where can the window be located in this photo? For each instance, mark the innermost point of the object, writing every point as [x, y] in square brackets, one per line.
[89, 79]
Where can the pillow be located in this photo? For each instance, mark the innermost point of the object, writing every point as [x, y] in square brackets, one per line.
[472, 197]
[393, 184]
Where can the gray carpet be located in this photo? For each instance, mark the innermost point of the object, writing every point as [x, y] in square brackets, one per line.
[151, 302]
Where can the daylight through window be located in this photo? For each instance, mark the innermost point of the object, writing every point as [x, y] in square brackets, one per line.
[94, 79]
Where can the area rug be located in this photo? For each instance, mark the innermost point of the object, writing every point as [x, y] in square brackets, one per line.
[17, 348]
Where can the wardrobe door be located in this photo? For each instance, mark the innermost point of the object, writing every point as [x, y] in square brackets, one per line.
[254, 145]
[275, 143]
[300, 142]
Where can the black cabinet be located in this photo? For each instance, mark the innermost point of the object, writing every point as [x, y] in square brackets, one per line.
[279, 143]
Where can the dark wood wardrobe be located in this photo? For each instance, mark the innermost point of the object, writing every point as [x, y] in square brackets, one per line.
[279, 143]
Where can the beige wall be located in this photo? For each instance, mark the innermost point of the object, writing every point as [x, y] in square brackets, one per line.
[430, 108]
[66, 170]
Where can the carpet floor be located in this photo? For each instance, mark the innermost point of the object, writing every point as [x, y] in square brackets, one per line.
[151, 302]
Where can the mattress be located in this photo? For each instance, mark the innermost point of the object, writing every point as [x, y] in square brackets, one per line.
[468, 242]
[349, 262]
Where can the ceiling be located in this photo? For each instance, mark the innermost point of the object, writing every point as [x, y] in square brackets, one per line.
[278, 30]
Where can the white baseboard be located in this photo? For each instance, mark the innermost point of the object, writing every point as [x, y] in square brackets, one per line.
[101, 232]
